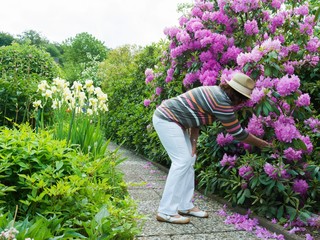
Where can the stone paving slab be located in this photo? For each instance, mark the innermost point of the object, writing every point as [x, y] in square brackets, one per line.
[145, 185]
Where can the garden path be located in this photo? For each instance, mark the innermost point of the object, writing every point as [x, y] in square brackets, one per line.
[145, 185]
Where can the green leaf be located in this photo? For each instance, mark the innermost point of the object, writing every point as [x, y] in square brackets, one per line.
[280, 186]
[280, 212]
[247, 193]
[299, 144]
[292, 212]
[267, 71]
[103, 213]
[59, 165]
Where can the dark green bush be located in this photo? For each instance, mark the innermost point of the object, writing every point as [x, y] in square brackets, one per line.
[60, 192]
[128, 121]
[21, 68]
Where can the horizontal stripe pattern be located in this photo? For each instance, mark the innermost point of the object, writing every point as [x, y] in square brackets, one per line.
[201, 106]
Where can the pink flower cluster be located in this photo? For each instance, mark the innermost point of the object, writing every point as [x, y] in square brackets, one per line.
[228, 160]
[244, 222]
[300, 186]
[292, 154]
[303, 100]
[313, 124]
[275, 172]
[287, 85]
[285, 129]
[255, 126]
[224, 140]
[149, 75]
[246, 172]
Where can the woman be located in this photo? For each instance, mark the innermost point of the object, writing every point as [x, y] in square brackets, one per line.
[172, 119]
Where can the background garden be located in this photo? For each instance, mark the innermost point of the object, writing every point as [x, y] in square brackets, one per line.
[61, 101]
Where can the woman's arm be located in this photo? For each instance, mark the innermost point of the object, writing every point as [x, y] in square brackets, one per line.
[194, 134]
[253, 140]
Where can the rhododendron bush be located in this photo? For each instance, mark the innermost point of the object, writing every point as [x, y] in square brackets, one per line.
[274, 42]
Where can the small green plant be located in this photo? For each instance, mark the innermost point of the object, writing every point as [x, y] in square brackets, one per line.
[60, 192]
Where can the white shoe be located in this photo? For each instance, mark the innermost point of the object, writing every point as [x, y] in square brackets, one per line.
[191, 212]
[172, 219]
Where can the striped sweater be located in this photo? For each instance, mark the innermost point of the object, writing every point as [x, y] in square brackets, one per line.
[202, 106]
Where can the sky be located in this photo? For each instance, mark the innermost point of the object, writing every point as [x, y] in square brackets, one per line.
[114, 22]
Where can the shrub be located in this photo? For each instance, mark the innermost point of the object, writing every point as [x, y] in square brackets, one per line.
[22, 67]
[60, 192]
[128, 120]
[274, 43]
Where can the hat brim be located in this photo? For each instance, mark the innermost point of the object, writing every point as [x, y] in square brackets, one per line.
[239, 88]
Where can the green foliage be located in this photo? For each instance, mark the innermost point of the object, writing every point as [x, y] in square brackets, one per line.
[21, 68]
[79, 52]
[60, 192]
[6, 39]
[31, 37]
[128, 121]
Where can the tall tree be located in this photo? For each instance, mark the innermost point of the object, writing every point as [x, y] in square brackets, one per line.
[32, 37]
[79, 52]
[6, 39]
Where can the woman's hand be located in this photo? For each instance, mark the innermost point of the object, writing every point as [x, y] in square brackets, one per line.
[253, 140]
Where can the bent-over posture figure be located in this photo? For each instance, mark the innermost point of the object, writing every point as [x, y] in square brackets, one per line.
[190, 110]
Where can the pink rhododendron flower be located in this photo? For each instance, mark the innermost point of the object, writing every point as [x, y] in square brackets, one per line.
[288, 85]
[190, 78]
[169, 77]
[257, 95]
[158, 90]
[276, 22]
[244, 5]
[183, 37]
[302, 10]
[313, 44]
[149, 75]
[228, 160]
[292, 154]
[311, 59]
[275, 172]
[255, 126]
[171, 32]
[313, 123]
[270, 170]
[288, 68]
[208, 78]
[230, 55]
[294, 48]
[194, 25]
[196, 12]
[303, 100]
[264, 82]
[300, 186]
[183, 20]
[206, 56]
[307, 26]
[251, 27]
[224, 140]
[271, 45]
[308, 143]
[277, 3]
[309, 237]
[246, 172]
[146, 102]
[285, 129]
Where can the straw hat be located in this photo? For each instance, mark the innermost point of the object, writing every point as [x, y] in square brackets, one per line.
[242, 84]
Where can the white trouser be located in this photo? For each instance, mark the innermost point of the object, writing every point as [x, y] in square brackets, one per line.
[179, 187]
